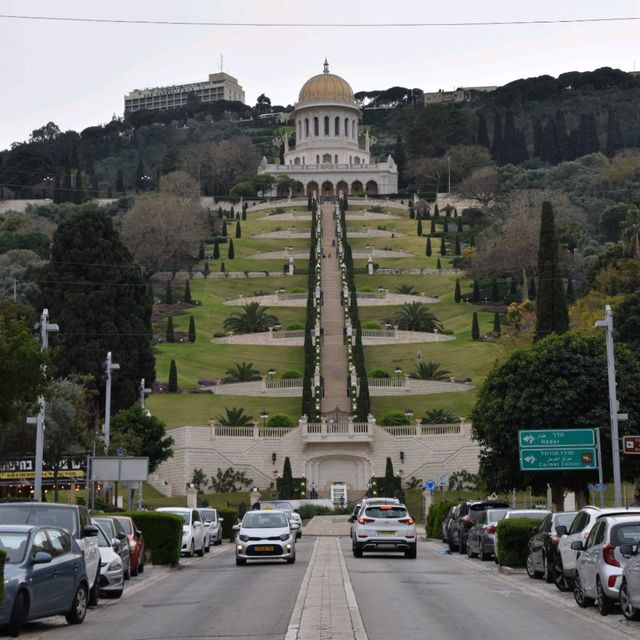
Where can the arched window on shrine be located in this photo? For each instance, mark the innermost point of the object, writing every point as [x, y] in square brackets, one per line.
[306, 127]
[316, 127]
[326, 126]
[337, 127]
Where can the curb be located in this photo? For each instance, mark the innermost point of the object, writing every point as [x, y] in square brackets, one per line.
[512, 571]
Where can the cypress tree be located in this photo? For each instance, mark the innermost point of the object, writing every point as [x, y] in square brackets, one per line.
[483, 133]
[552, 314]
[436, 211]
[460, 228]
[412, 211]
[495, 295]
[419, 229]
[588, 140]
[206, 270]
[168, 294]
[192, 329]
[95, 189]
[231, 254]
[75, 162]
[538, 137]
[472, 242]
[220, 213]
[244, 211]
[389, 480]
[238, 229]
[140, 183]
[508, 151]
[222, 269]
[78, 193]
[458, 249]
[224, 229]
[571, 296]
[438, 264]
[475, 327]
[67, 192]
[286, 482]
[562, 140]
[496, 147]
[443, 246]
[363, 402]
[187, 292]
[109, 192]
[173, 377]
[57, 194]
[433, 225]
[549, 149]
[614, 133]
[522, 153]
[513, 287]
[496, 323]
[475, 296]
[533, 292]
[120, 182]
[216, 250]
[201, 251]
[457, 295]
[428, 249]
[152, 298]
[445, 226]
[171, 336]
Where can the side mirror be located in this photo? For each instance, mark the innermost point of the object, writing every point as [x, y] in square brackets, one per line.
[207, 522]
[577, 545]
[628, 550]
[138, 533]
[116, 543]
[42, 557]
[220, 519]
[122, 535]
[295, 526]
[90, 531]
[561, 530]
[236, 527]
[352, 518]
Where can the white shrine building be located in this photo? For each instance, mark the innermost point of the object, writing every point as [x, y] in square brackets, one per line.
[328, 158]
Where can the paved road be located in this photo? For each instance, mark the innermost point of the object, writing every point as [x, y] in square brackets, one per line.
[436, 597]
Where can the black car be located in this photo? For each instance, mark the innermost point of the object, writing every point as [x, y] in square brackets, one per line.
[466, 515]
[543, 545]
[446, 521]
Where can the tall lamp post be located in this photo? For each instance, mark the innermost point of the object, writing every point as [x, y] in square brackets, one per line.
[398, 371]
[264, 415]
[408, 414]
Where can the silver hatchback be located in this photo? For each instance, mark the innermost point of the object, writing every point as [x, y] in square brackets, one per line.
[384, 527]
[601, 561]
[266, 535]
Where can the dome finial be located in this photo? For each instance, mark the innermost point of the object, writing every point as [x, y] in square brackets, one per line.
[326, 66]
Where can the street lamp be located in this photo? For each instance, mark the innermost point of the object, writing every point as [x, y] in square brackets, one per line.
[264, 415]
[271, 372]
[398, 371]
[408, 414]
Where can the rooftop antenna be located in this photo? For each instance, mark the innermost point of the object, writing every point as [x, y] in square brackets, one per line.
[221, 62]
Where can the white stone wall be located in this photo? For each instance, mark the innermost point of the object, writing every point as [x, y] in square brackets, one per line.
[425, 457]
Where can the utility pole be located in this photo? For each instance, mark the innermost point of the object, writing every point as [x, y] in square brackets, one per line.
[45, 328]
[449, 174]
[110, 366]
[144, 392]
[607, 325]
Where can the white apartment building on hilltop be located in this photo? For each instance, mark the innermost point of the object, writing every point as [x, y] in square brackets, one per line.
[220, 86]
[462, 94]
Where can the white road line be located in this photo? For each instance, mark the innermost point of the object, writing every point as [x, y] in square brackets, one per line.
[296, 616]
[356, 620]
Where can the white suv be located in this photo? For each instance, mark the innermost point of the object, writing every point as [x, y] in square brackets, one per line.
[565, 568]
[384, 527]
[193, 529]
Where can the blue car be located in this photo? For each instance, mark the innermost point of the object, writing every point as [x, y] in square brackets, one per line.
[44, 575]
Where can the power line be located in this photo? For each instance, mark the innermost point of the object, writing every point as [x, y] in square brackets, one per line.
[329, 25]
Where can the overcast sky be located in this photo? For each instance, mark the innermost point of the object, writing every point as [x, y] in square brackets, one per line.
[76, 74]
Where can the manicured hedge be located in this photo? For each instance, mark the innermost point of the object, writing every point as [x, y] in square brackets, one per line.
[3, 556]
[230, 519]
[162, 535]
[513, 537]
[435, 516]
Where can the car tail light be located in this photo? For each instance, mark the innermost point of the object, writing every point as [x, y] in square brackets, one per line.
[607, 554]
[468, 521]
[491, 528]
[612, 581]
[408, 520]
[364, 520]
[554, 540]
[386, 507]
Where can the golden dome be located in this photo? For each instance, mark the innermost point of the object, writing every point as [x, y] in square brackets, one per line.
[326, 87]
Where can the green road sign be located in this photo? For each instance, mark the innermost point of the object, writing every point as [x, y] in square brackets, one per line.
[558, 459]
[534, 439]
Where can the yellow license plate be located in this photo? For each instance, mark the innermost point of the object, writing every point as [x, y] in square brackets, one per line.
[386, 533]
[263, 548]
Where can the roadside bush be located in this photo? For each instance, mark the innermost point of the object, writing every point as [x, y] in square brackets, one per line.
[230, 519]
[162, 535]
[379, 373]
[280, 420]
[291, 374]
[372, 324]
[393, 418]
[295, 326]
[513, 536]
[435, 516]
[307, 511]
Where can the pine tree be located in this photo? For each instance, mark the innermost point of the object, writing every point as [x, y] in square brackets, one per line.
[495, 296]
[201, 251]
[120, 182]
[496, 323]
[192, 329]
[171, 337]
[496, 147]
[433, 226]
[216, 250]
[475, 327]
[428, 248]
[238, 230]
[224, 229]
[168, 294]
[231, 254]
[475, 296]
[552, 315]
[173, 377]
[187, 292]
[443, 246]
[483, 133]
[438, 264]
[222, 268]
[458, 249]
[206, 270]
[389, 480]
[457, 295]
[419, 229]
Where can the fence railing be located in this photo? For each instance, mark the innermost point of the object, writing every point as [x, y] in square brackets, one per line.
[279, 335]
[378, 333]
[255, 432]
[413, 430]
[287, 383]
[291, 296]
[342, 431]
[371, 295]
[395, 383]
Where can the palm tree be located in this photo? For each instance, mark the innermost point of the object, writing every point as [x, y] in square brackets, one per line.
[252, 319]
[241, 373]
[429, 371]
[440, 416]
[406, 289]
[235, 417]
[414, 316]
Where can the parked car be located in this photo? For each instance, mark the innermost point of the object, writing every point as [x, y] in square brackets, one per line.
[44, 575]
[192, 529]
[72, 517]
[111, 567]
[543, 545]
[451, 514]
[119, 541]
[207, 532]
[215, 526]
[482, 535]
[265, 535]
[601, 560]
[384, 527]
[466, 515]
[136, 542]
[531, 514]
[581, 526]
[630, 586]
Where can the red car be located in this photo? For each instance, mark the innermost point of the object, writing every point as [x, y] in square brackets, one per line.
[136, 540]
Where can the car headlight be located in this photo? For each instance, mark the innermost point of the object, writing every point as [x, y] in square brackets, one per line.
[284, 536]
[134, 544]
[115, 565]
[243, 537]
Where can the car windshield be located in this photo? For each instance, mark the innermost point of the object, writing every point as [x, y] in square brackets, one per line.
[14, 544]
[183, 514]
[386, 511]
[264, 520]
[209, 514]
[625, 534]
[107, 525]
[564, 519]
[126, 525]
[533, 515]
[39, 514]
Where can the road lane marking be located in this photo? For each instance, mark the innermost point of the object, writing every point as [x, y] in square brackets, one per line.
[296, 616]
[356, 620]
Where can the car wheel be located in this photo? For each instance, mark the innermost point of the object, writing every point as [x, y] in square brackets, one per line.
[292, 559]
[547, 570]
[559, 579]
[114, 594]
[470, 554]
[411, 552]
[141, 565]
[628, 610]
[127, 573]
[240, 561]
[531, 571]
[484, 556]
[201, 551]
[603, 601]
[192, 549]
[452, 546]
[578, 593]
[462, 546]
[134, 569]
[217, 542]
[79, 607]
[18, 615]
[357, 550]
[94, 593]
